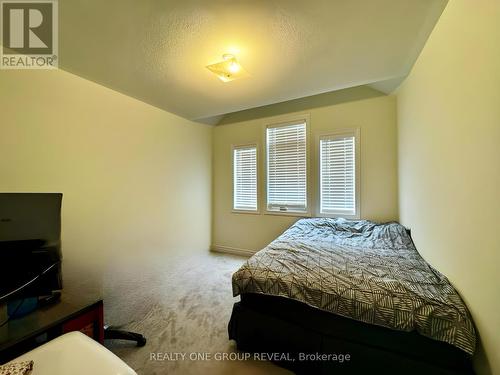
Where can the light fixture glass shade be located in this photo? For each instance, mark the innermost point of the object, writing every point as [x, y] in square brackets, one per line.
[228, 69]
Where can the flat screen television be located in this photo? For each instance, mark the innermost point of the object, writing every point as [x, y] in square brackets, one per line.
[30, 244]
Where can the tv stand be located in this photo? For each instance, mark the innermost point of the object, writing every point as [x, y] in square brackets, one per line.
[118, 334]
[47, 322]
[50, 299]
[62, 313]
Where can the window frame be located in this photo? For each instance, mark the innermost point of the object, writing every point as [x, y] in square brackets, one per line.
[353, 132]
[257, 189]
[284, 121]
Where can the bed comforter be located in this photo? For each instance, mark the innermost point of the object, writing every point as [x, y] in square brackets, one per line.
[361, 270]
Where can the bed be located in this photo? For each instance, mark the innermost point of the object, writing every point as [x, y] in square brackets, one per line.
[350, 297]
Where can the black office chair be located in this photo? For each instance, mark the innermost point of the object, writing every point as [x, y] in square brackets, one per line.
[111, 333]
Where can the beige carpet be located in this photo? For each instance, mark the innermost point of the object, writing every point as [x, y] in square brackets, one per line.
[182, 305]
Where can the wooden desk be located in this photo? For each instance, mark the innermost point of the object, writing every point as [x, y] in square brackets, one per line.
[69, 314]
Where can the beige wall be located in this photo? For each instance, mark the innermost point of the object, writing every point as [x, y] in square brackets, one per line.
[361, 107]
[136, 179]
[449, 160]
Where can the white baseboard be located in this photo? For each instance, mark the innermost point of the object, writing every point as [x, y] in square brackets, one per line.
[232, 250]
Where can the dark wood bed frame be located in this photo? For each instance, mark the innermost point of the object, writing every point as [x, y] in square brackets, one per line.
[267, 324]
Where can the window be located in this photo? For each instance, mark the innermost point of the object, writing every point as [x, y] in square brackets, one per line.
[338, 175]
[286, 168]
[245, 178]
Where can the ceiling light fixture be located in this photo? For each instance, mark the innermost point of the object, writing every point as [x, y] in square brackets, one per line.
[228, 69]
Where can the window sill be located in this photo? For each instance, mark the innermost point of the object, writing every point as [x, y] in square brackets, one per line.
[245, 212]
[340, 215]
[288, 213]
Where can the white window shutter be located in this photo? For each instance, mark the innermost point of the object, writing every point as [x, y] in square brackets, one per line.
[245, 178]
[338, 175]
[287, 168]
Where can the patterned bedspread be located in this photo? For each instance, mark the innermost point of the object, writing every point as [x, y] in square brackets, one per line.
[361, 270]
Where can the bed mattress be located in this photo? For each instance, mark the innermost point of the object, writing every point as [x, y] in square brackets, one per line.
[361, 270]
[261, 323]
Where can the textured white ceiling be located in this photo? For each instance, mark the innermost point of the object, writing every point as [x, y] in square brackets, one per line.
[157, 50]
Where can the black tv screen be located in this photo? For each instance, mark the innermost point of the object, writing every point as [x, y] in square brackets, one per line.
[30, 244]
[30, 216]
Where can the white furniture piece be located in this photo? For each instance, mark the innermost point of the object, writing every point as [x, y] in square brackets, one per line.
[76, 354]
